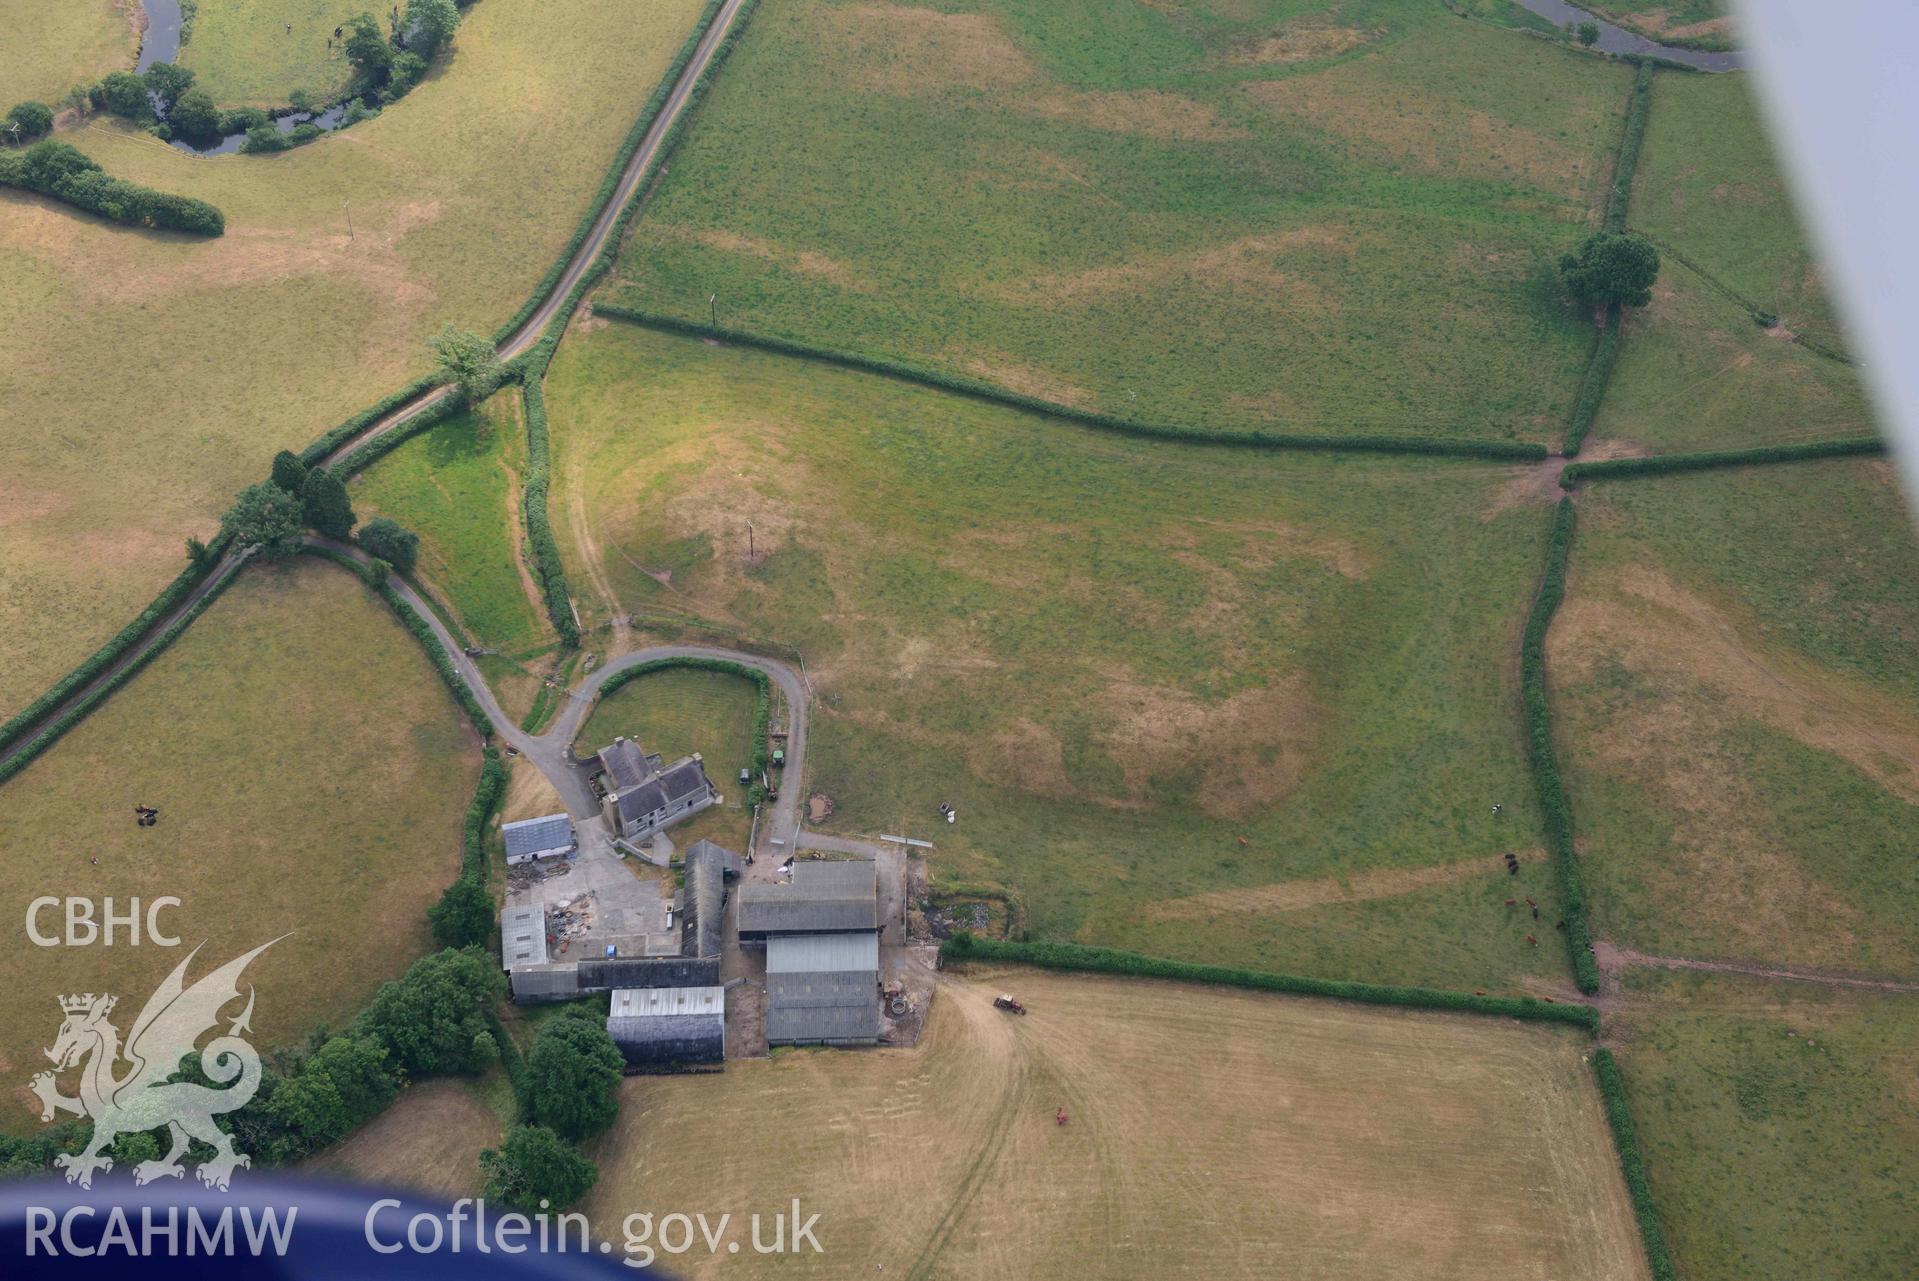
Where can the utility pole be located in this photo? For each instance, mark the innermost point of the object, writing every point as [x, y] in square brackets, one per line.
[749, 542]
[713, 309]
[348, 206]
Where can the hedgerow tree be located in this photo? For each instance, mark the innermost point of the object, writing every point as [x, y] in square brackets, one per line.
[470, 362]
[195, 115]
[1612, 267]
[167, 82]
[324, 500]
[434, 1018]
[266, 517]
[535, 1165]
[344, 1082]
[289, 473]
[464, 915]
[428, 25]
[367, 49]
[29, 120]
[125, 95]
[574, 1071]
[391, 542]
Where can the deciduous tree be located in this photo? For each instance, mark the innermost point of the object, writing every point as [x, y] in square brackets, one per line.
[268, 518]
[470, 362]
[535, 1165]
[391, 542]
[575, 1071]
[1612, 267]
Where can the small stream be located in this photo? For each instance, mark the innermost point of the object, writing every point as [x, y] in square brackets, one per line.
[1621, 41]
[161, 43]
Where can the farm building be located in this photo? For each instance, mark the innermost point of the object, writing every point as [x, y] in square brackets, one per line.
[663, 1026]
[708, 867]
[823, 989]
[523, 936]
[531, 838]
[825, 897]
[642, 795]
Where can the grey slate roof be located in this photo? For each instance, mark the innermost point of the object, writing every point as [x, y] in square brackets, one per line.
[825, 897]
[523, 936]
[729, 861]
[538, 835]
[548, 983]
[684, 779]
[638, 801]
[626, 764]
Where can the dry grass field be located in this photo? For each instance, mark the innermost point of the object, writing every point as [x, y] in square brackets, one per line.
[49, 46]
[428, 1141]
[149, 376]
[1737, 714]
[1212, 1133]
[311, 774]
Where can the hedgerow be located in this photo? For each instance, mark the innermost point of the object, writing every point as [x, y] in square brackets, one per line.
[1612, 1089]
[1847, 447]
[1638, 106]
[959, 385]
[762, 711]
[1103, 960]
[368, 452]
[108, 654]
[422, 632]
[321, 449]
[1592, 389]
[50, 733]
[539, 530]
[68, 174]
[486, 799]
[610, 184]
[1553, 805]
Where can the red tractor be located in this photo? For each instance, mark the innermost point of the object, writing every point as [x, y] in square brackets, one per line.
[1008, 1004]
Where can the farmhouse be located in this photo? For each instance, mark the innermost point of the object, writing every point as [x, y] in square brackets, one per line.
[825, 897]
[641, 795]
[532, 838]
[823, 989]
[664, 1026]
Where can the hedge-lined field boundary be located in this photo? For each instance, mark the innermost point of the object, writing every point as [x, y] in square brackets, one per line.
[322, 448]
[422, 632]
[486, 799]
[977, 390]
[1762, 316]
[1105, 960]
[369, 452]
[178, 590]
[634, 137]
[51, 734]
[1592, 388]
[762, 709]
[539, 530]
[1612, 468]
[1638, 106]
[1553, 806]
[1612, 1091]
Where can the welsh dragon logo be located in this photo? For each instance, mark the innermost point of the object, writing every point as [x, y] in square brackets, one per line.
[142, 1097]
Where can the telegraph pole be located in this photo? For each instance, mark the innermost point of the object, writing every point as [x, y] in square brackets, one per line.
[348, 206]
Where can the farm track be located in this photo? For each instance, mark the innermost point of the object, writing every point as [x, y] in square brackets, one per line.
[1612, 959]
[516, 344]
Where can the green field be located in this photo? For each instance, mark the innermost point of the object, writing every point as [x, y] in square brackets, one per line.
[1336, 219]
[241, 50]
[311, 774]
[458, 487]
[52, 45]
[1710, 185]
[1777, 1121]
[1115, 662]
[271, 334]
[677, 712]
[1738, 716]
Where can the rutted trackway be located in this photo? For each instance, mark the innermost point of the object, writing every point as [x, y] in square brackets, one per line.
[516, 343]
